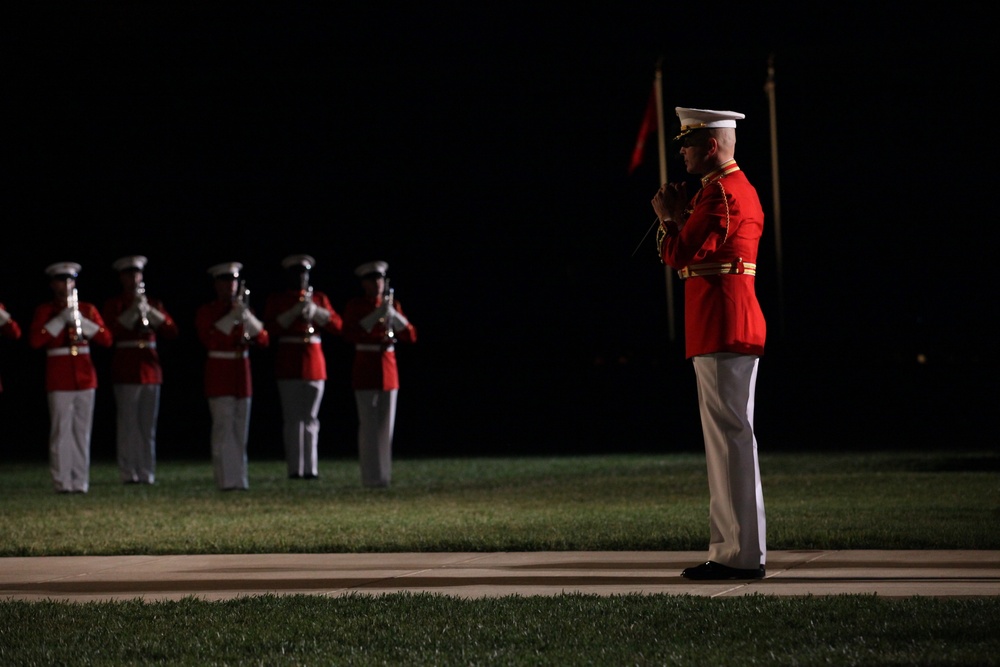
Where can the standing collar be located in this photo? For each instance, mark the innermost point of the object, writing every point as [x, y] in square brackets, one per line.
[727, 167]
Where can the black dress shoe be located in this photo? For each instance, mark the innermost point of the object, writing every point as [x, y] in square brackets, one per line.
[711, 570]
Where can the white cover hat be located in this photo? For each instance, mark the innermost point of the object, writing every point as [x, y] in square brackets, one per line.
[130, 262]
[696, 119]
[368, 268]
[226, 269]
[298, 260]
[63, 269]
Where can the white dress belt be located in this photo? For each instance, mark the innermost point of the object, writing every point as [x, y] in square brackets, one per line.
[373, 347]
[738, 267]
[217, 354]
[73, 350]
[300, 339]
[141, 344]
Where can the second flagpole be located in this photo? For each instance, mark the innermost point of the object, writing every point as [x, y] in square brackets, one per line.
[662, 145]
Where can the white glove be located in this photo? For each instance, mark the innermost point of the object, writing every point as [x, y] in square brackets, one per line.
[226, 323]
[369, 321]
[252, 325]
[155, 317]
[55, 325]
[309, 310]
[89, 327]
[287, 318]
[321, 316]
[4, 317]
[68, 315]
[396, 318]
[129, 317]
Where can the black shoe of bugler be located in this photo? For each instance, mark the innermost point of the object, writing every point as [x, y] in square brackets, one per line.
[712, 571]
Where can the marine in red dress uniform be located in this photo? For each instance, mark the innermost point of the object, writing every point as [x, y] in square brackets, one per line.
[375, 322]
[137, 322]
[9, 328]
[297, 316]
[228, 329]
[66, 327]
[711, 240]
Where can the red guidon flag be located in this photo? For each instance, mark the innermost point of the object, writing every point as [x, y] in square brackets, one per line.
[648, 127]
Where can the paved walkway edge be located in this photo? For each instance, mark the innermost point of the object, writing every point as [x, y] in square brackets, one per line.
[474, 575]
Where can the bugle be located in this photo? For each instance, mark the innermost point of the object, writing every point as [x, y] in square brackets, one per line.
[76, 326]
[305, 296]
[142, 304]
[242, 300]
[388, 299]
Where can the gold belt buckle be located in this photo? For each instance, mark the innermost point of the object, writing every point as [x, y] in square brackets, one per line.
[73, 350]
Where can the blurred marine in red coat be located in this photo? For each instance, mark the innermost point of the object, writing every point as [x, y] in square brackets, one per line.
[228, 329]
[137, 322]
[65, 327]
[298, 316]
[9, 328]
[375, 322]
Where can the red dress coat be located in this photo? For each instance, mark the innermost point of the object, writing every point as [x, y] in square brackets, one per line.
[64, 370]
[721, 312]
[11, 330]
[136, 360]
[227, 368]
[374, 362]
[299, 355]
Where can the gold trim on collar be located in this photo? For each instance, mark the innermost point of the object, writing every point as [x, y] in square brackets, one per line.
[727, 167]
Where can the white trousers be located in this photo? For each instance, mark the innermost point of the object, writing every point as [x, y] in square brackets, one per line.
[71, 419]
[138, 406]
[376, 421]
[300, 401]
[726, 386]
[230, 428]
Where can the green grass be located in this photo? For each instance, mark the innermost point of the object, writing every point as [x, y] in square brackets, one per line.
[423, 629]
[850, 500]
[627, 502]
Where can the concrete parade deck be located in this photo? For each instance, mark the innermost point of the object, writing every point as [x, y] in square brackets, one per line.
[473, 575]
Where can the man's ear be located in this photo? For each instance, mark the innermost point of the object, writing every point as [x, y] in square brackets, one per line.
[711, 146]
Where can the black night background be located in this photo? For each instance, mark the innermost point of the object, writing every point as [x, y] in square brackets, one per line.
[482, 150]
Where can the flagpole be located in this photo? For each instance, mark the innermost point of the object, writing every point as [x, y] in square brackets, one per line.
[661, 141]
[769, 88]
